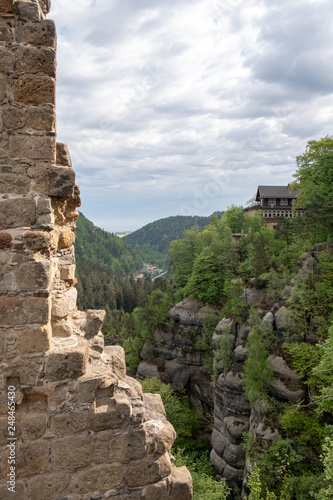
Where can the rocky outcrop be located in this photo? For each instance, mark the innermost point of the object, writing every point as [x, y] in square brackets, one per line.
[77, 426]
[173, 357]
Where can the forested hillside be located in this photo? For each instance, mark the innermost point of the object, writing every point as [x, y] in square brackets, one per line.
[104, 266]
[152, 241]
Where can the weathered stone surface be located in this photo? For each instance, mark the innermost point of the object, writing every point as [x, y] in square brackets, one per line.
[73, 453]
[67, 272]
[35, 89]
[62, 306]
[32, 275]
[181, 484]
[6, 31]
[23, 311]
[115, 414]
[63, 157]
[6, 240]
[5, 494]
[32, 147]
[94, 323]
[32, 340]
[19, 184]
[190, 312]
[69, 423]
[2, 88]
[32, 458]
[6, 6]
[146, 370]
[55, 181]
[100, 478]
[17, 212]
[286, 385]
[148, 470]
[29, 11]
[49, 486]
[6, 60]
[35, 60]
[66, 239]
[217, 462]
[34, 426]
[37, 240]
[66, 361]
[118, 363]
[254, 295]
[267, 433]
[268, 319]
[42, 33]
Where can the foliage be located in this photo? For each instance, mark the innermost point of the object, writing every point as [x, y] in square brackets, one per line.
[223, 352]
[304, 357]
[322, 375]
[326, 493]
[257, 370]
[205, 486]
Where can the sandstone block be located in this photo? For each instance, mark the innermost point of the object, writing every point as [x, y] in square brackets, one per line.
[23, 311]
[2, 88]
[67, 424]
[33, 426]
[67, 272]
[14, 117]
[148, 470]
[32, 458]
[49, 486]
[155, 408]
[28, 369]
[5, 494]
[35, 60]
[6, 6]
[182, 488]
[55, 181]
[33, 340]
[62, 306]
[35, 89]
[62, 328]
[73, 453]
[118, 363]
[28, 11]
[42, 33]
[100, 478]
[94, 323]
[66, 239]
[4, 147]
[32, 275]
[6, 34]
[6, 60]
[18, 184]
[44, 205]
[32, 147]
[67, 362]
[114, 415]
[6, 240]
[219, 442]
[63, 156]
[90, 388]
[37, 240]
[18, 212]
[41, 118]
[157, 491]
[160, 436]
[147, 370]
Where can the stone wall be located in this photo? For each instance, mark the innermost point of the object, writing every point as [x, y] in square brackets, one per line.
[83, 429]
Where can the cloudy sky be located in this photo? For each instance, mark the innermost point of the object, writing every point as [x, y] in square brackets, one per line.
[182, 107]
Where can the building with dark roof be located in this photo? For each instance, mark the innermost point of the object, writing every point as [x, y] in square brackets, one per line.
[273, 202]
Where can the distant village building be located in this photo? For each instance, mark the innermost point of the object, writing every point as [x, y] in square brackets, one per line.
[273, 202]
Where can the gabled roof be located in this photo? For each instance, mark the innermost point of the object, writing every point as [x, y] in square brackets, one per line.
[275, 192]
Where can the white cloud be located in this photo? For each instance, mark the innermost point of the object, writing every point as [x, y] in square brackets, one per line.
[154, 96]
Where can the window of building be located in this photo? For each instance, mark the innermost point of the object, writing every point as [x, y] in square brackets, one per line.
[283, 201]
[271, 202]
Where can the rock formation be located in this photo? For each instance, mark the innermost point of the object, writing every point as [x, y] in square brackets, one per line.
[82, 429]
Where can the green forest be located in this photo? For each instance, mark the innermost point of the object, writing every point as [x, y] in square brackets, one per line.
[209, 265]
[152, 241]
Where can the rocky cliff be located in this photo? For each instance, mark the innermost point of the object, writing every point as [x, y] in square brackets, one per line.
[79, 428]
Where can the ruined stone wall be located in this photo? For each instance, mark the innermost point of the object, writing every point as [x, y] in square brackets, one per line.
[83, 429]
